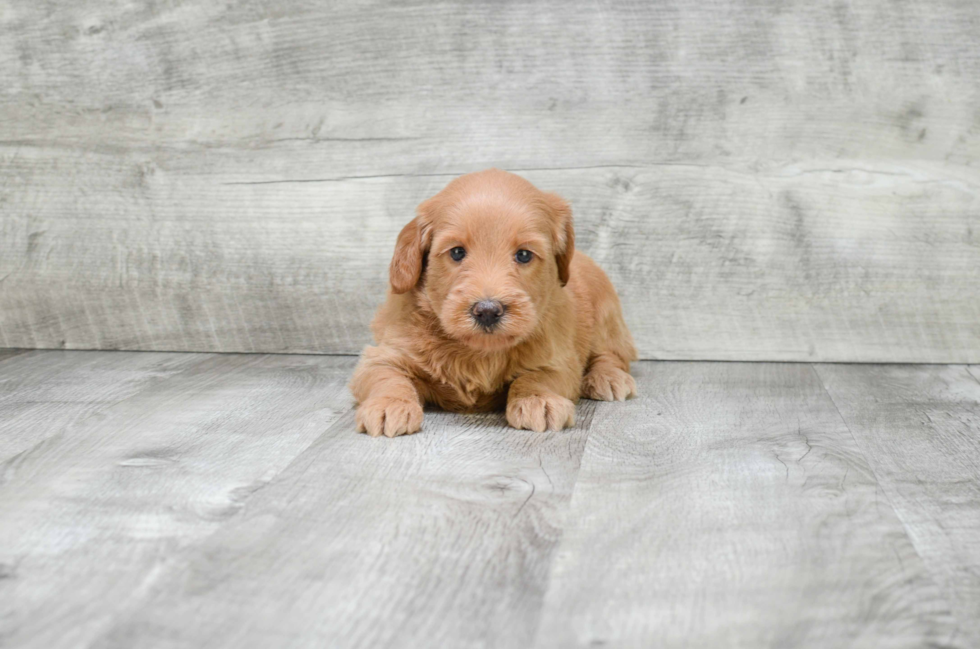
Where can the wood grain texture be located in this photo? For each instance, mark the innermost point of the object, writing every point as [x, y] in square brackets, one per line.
[10, 353]
[761, 180]
[92, 515]
[730, 506]
[43, 394]
[920, 428]
[439, 539]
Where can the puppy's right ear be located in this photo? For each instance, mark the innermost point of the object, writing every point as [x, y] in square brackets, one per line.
[564, 233]
[410, 251]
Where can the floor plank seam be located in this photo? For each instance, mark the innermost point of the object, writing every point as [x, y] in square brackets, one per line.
[970, 369]
[905, 527]
[865, 452]
[556, 551]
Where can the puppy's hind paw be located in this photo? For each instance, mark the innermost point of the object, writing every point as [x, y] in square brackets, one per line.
[541, 412]
[608, 384]
[389, 417]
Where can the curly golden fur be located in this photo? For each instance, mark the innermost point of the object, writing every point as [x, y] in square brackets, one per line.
[470, 324]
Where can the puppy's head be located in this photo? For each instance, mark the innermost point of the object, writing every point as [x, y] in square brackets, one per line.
[486, 255]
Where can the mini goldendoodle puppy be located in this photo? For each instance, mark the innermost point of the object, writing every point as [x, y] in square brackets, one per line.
[491, 305]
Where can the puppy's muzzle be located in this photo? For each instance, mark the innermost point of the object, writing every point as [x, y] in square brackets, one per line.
[487, 313]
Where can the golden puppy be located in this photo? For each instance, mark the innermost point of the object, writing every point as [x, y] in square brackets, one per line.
[490, 304]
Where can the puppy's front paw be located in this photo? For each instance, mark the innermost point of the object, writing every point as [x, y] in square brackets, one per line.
[608, 384]
[390, 417]
[541, 412]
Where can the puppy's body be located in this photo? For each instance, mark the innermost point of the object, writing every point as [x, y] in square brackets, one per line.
[456, 377]
[561, 334]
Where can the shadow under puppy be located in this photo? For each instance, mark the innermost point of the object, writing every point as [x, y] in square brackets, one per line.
[489, 306]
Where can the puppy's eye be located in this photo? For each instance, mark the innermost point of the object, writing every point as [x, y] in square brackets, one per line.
[457, 253]
[523, 256]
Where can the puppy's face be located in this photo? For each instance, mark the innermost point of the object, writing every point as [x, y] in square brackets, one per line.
[487, 255]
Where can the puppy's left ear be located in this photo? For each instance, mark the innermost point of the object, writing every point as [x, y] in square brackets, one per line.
[563, 233]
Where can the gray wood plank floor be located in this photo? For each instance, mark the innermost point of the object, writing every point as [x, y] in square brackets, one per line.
[920, 430]
[184, 500]
[91, 514]
[731, 505]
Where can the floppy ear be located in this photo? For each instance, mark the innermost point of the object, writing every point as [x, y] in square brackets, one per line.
[410, 252]
[563, 233]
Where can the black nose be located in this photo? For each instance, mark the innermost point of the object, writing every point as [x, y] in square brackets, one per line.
[487, 313]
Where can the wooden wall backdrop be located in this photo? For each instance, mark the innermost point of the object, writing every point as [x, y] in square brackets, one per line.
[782, 180]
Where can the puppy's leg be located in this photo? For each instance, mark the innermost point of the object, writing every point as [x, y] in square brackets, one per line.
[540, 401]
[388, 402]
[607, 376]
[608, 379]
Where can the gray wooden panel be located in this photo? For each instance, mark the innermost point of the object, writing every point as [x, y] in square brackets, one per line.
[440, 539]
[730, 506]
[92, 517]
[920, 426]
[762, 180]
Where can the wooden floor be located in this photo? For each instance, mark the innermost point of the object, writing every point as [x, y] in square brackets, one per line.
[189, 500]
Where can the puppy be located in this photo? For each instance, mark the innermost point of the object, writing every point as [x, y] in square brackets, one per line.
[491, 307]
